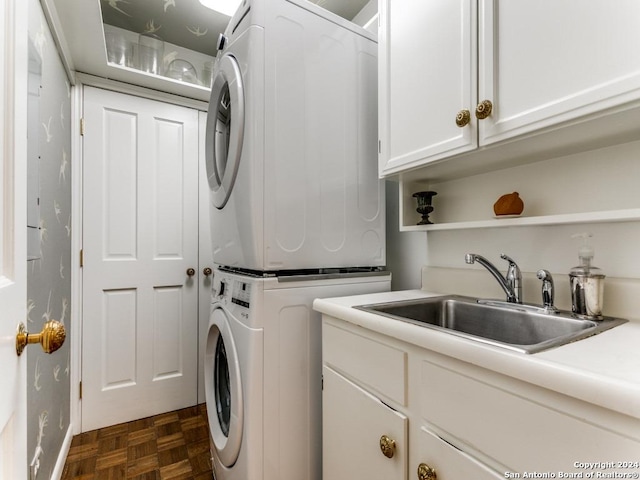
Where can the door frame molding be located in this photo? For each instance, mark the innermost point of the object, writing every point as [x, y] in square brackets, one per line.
[77, 161]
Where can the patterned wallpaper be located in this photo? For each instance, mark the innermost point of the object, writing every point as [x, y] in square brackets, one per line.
[49, 277]
[185, 23]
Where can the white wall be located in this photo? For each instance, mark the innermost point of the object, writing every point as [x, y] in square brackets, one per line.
[406, 251]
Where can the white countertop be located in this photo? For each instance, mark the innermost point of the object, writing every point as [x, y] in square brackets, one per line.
[603, 369]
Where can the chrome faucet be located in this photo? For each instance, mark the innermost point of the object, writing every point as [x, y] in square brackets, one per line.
[511, 283]
[547, 291]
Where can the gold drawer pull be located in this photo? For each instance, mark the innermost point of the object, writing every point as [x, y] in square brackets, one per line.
[425, 472]
[387, 446]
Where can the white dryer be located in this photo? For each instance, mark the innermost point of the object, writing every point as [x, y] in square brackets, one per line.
[291, 141]
[263, 372]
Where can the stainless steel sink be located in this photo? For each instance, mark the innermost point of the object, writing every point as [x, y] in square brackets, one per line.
[524, 328]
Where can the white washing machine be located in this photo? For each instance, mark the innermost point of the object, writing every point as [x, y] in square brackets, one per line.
[291, 142]
[263, 372]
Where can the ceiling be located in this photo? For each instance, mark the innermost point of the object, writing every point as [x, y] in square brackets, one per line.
[187, 23]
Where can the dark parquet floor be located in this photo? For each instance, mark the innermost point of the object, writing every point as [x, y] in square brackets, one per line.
[170, 446]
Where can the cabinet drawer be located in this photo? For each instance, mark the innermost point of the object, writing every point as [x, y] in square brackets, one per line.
[495, 416]
[353, 423]
[449, 462]
[376, 365]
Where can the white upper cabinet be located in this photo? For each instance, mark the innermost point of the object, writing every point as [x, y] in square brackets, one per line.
[541, 65]
[427, 73]
[549, 61]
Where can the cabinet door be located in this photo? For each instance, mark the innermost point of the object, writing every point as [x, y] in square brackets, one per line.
[427, 61]
[449, 462]
[550, 61]
[353, 423]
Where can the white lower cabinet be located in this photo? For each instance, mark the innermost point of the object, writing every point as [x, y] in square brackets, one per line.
[451, 420]
[516, 426]
[356, 428]
[440, 458]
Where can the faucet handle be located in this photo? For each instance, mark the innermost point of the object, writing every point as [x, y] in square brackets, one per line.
[513, 277]
[513, 272]
[512, 262]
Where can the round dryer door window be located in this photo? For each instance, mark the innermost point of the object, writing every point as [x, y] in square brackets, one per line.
[223, 389]
[225, 129]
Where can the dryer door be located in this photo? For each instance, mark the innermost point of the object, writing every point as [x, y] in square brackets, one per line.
[223, 389]
[225, 129]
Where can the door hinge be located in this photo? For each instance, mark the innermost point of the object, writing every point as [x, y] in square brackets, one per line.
[81, 258]
[80, 390]
[379, 146]
[82, 126]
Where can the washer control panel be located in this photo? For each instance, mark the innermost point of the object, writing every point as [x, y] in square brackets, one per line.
[234, 291]
[241, 293]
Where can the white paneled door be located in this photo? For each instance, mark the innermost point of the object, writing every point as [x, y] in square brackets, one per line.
[140, 262]
[13, 239]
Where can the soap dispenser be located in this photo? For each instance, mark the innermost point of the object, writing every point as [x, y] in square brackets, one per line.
[587, 283]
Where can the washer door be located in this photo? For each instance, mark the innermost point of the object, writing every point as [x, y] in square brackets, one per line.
[223, 389]
[225, 129]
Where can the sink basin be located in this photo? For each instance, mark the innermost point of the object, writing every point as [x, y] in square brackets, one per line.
[524, 328]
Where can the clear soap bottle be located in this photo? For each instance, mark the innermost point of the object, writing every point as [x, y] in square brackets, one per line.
[587, 283]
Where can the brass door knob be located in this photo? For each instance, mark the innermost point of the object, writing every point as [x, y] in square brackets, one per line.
[425, 472]
[51, 337]
[463, 118]
[191, 272]
[483, 110]
[387, 446]
[207, 271]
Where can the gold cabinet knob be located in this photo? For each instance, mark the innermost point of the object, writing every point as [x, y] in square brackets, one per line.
[483, 110]
[207, 271]
[425, 472]
[191, 272]
[51, 337]
[463, 118]
[387, 446]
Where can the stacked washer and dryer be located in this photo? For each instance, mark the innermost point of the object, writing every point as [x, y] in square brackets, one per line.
[297, 213]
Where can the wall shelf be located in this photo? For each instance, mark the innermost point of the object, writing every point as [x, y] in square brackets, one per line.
[627, 215]
[81, 20]
[594, 187]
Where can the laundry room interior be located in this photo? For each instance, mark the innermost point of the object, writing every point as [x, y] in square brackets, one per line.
[320, 239]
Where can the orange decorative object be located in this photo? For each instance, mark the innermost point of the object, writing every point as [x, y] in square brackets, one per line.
[509, 204]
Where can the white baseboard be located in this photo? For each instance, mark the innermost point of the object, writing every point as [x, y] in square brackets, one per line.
[62, 456]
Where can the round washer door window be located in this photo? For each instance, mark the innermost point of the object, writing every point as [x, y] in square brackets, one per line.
[223, 389]
[225, 129]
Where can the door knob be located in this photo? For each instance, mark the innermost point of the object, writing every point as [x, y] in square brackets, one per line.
[51, 337]
[191, 272]
[483, 110]
[207, 271]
